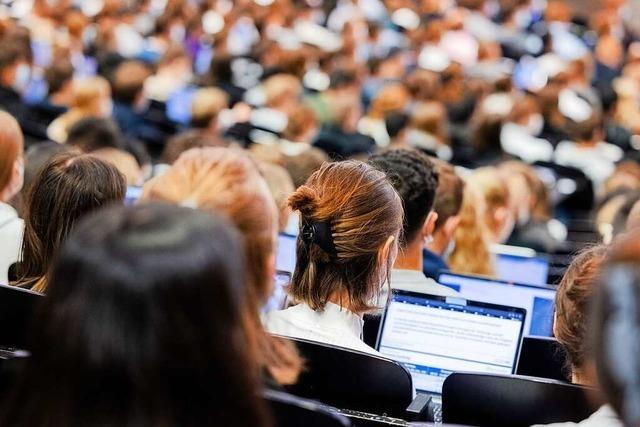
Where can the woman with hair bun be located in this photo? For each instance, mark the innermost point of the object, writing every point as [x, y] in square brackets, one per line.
[351, 219]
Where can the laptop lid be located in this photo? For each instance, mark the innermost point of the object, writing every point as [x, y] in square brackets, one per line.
[17, 309]
[286, 255]
[434, 336]
[538, 301]
[512, 268]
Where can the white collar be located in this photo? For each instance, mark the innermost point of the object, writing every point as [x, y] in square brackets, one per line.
[401, 275]
[334, 316]
[6, 210]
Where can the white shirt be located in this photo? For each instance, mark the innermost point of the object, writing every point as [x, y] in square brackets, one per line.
[334, 325]
[597, 162]
[11, 230]
[517, 141]
[416, 281]
[603, 417]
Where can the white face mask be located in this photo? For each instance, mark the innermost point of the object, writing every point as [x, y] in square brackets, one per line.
[535, 124]
[449, 249]
[506, 231]
[22, 78]
[524, 215]
[107, 108]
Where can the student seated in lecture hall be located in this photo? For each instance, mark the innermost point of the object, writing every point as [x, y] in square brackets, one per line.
[68, 187]
[414, 177]
[350, 223]
[142, 325]
[227, 181]
[11, 181]
[572, 323]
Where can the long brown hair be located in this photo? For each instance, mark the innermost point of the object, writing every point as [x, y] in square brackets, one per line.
[362, 210]
[68, 187]
[227, 181]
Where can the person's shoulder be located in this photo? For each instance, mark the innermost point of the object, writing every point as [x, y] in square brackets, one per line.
[603, 417]
[611, 151]
[277, 318]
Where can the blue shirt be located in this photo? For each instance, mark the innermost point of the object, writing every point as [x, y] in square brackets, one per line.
[432, 264]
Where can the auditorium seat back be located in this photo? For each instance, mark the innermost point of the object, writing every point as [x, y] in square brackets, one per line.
[507, 400]
[291, 411]
[353, 380]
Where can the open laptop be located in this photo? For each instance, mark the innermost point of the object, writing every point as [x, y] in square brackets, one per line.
[17, 310]
[520, 265]
[278, 299]
[538, 301]
[286, 254]
[434, 336]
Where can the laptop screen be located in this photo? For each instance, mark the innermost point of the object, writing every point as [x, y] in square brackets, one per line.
[435, 336]
[539, 301]
[286, 257]
[530, 270]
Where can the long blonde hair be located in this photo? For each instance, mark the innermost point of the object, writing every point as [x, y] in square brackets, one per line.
[227, 181]
[471, 254]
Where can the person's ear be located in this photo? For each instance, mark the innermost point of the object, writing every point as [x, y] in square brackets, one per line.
[429, 225]
[387, 251]
[450, 225]
[16, 182]
[500, 214]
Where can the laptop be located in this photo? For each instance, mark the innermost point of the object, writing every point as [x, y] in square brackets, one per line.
[17, 310]
[520, 265]
[543, 358]
[434, 336]
[278, 299]
[286, 254]
[538, 301]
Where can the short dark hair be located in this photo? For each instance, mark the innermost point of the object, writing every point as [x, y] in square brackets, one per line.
[58, 73]
[143, 325]
[93, 133]
[10, 53]
[449, 194]
[127, 81]
[396, 122]
[414, 177]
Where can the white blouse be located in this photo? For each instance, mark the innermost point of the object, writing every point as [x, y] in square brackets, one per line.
[334, 325]
[603, 417]
[11, 231]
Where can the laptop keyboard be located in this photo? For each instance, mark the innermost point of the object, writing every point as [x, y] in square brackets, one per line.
[381, 419]
[10, 353]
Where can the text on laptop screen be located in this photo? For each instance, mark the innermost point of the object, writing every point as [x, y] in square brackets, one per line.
[286, 256]
[532, 271]
[436, 336]
[538, 301]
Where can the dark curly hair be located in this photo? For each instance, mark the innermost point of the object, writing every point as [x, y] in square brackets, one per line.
[415, 179]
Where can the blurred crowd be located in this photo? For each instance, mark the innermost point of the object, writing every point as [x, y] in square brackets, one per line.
[535, 102]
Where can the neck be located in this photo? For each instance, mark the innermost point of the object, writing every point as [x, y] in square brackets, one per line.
[582, 376]
[341, 298]
[410, 258]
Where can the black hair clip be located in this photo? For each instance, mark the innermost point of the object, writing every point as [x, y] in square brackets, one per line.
[319, 233]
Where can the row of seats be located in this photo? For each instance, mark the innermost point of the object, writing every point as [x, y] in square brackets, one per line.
[359, 383]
